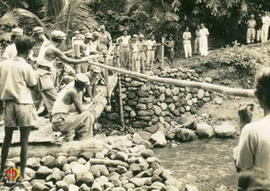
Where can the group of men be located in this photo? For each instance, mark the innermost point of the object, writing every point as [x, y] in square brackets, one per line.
[258, 28]
[29, 75]
[136, 53]
[200, 42]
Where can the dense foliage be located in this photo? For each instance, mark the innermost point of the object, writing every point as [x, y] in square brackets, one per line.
[225, 18]
[237, 64]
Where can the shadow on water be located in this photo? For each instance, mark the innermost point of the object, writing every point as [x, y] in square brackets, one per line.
[203, 163]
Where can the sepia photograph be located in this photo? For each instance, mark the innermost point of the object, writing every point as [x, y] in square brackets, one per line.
[134, 95]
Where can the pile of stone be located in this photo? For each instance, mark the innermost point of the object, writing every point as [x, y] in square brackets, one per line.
[156, 106]
[123, 164]
[191, 131]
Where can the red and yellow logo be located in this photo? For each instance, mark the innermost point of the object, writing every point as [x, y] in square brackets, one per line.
[12, 174]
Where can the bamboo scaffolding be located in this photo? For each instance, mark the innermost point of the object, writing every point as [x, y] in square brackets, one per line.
[183, 83]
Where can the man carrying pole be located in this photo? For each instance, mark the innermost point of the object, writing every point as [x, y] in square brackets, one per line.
[46, 73]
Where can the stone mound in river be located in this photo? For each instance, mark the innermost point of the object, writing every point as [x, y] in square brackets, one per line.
[225, 130]
[185, 135]
[204, 130]
[158, 139]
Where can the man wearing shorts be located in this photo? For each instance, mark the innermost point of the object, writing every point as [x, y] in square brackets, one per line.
[19, 78]
[68, 115]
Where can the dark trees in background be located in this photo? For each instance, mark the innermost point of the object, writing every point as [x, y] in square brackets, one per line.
[225, 18]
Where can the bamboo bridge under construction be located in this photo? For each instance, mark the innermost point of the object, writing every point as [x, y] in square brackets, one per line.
[44, 134]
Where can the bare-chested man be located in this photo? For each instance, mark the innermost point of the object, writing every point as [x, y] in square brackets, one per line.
[68, 115]
[46, 72]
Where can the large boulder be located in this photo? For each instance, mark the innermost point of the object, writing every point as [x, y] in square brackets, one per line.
[184, 135]
[226, 129]
[158, 139]
[204, 130]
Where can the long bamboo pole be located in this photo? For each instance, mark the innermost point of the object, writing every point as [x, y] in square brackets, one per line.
[183, 83]
[121, 110]
[162, 52]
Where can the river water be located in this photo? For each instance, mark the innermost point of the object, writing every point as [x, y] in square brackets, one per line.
[203, 163]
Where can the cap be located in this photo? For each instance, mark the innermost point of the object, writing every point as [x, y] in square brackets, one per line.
[38, 30]
[76, 32]
[82, 78]
[141, 36]
[95, 34]
[134, 36]
[252, 16]
[96, 69]
[58, 35]
[102, 27]
[88, 35]
[17, 31]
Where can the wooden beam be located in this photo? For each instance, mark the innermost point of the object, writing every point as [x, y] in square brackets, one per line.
[183, 83]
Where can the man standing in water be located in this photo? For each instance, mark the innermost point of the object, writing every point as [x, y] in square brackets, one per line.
[253, 149]
[19, 78]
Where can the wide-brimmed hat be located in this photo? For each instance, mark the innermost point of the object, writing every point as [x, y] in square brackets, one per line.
[17, 32]
[38, 30]
[88, 35]
[82, 78]
[58, 35]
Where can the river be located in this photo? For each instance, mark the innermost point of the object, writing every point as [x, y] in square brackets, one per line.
[203, 163]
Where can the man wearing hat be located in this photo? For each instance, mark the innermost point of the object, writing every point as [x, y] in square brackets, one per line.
[46, 62]
[94, 76]
[251, 32]
[125, 49]
[105, 39]
[142, 49]
[41, 42]
[68, 116]
[11, 51]
[135, 53]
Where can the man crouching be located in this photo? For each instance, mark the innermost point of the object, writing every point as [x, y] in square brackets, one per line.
[68, 116]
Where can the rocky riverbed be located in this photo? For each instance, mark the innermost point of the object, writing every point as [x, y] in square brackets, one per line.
[123, 163]
[207, 164]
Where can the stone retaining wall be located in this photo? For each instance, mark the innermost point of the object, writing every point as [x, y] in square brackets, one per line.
[156, 106]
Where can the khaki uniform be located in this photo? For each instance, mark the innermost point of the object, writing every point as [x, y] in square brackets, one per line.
[251, 32]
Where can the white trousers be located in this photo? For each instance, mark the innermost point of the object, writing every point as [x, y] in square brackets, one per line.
[264, 35]
[204, 45]
[187, 49]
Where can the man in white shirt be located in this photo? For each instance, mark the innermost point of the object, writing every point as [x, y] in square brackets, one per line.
[11, 51]
[204, 33]
[125, 49]
[187, 43]
[135, 54]
[142, 51]
[251, 32]
[253, 149]
[19, 78]
[265, 27]
[105, 39]
[151, 45]
[197, 40]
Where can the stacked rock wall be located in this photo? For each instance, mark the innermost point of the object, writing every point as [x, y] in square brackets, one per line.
[155, 106]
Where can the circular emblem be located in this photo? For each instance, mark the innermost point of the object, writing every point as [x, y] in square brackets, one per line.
[12, 174]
